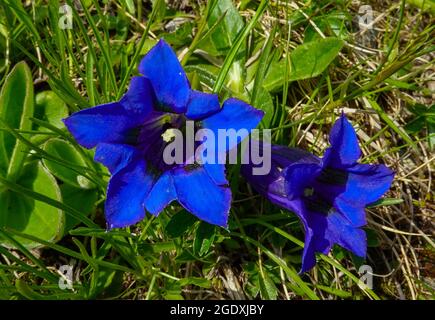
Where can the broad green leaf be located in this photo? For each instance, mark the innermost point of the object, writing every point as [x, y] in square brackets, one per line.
[50, 108]
[16, 107]
[333, 25]
[226, 32]
[80, 199]
[204, 238]
[425, 5]
[29, 216]
[62, 149]
[180, 223]
[307, 60]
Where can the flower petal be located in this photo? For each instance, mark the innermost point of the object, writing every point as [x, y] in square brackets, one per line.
[347, 236]
[365, 183]
[300, 176]
[284, 156]
[216, 173]
[354, 213]
[104, 123]
[162, 193]
[126, 193]
[115, 156]
[198, 193]
[140, 98]
[171, 86]
[315, 226]
[344, 150]
[237, 115]
[202, 105]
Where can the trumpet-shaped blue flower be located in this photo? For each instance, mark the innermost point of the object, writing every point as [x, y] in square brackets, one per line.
[129, 136]
[329, 195]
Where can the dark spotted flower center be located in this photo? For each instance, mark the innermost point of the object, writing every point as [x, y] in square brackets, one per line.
[318, 196]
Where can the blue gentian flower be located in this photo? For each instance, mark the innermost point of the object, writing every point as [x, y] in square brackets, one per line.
[129, 140]
[329, 195]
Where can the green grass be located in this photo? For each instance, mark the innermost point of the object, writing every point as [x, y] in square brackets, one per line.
[303, 74]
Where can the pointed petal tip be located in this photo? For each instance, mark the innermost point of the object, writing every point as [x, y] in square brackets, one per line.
[169, 81]
[344, 150]
[198, 194]
[162, 42]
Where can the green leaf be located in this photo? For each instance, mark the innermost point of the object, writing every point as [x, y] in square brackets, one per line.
[200, 282]
[129, 4]
[26, 291]
[16, 107]
[238, 41]
[307, 60]
[261, 69]
[50, 108]
[416, 125]
[29, 216]
[430, 123]
[385, 202]
[80, 199]
[62, 149]
[180, 223]
[337, 292]
[226, 32]
[268, 290]
[264, 102]
[204, 238]
[425, 5]
[372, 238]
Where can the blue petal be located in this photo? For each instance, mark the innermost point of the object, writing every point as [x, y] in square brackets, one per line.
[300, 176]
[315, 226]
[162, 193]
[198, 193]
[171, 86]
[354, 213]
[140, 98]
[364, 184]
[284, 156]
[104, 123]
[344, 150]
[216, 173]
[367, 183]
[235, 114]
[202, 105]
[115, 156]
[126, 194]
[341, 232]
